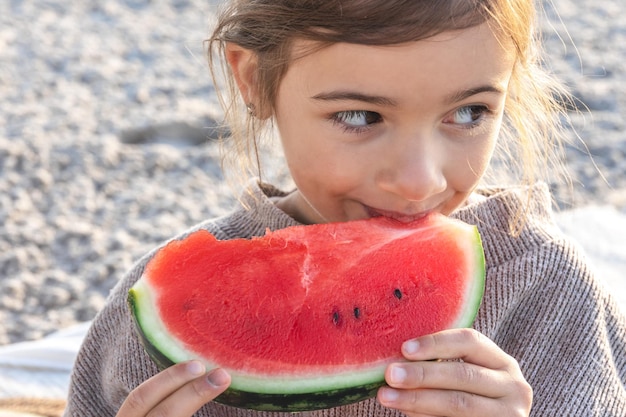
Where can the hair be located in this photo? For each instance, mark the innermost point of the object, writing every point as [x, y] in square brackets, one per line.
[531, 136]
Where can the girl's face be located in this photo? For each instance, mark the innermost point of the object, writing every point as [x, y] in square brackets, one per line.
[397, 131]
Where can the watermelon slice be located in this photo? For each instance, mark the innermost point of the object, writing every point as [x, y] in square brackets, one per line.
[308, 317]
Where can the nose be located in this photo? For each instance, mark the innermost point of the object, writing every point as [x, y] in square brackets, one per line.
[413, 170]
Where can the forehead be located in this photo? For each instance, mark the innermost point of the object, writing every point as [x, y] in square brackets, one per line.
[443, 62]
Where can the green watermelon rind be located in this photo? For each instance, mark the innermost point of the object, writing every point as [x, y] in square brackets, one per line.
[298, 402]
[270, 393]
[475, 292]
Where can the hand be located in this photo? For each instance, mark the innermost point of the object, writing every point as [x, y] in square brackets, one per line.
[178, 391]
[487, 382]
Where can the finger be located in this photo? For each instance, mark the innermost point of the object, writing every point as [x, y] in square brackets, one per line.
[466, 344]
[440, 403]
[459, 376]
[147, 395]
[190, 397]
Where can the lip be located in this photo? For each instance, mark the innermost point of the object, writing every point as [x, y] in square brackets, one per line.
[397, 216]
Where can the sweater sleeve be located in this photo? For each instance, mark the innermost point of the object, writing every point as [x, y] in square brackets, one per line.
[111, 361]
[568, 335]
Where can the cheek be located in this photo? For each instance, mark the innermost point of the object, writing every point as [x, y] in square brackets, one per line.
[465, 175]
[477, 163]
[327, 168]
[314, 153]
[468, 169]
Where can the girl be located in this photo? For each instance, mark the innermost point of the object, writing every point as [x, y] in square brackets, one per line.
[394, 108]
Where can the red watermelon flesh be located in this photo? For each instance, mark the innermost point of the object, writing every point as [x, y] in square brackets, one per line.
[310, 302]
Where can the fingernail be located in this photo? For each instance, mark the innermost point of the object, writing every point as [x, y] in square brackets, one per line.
[411, 347]
[195, 368]
[218, 377]
[397, 375]
[389, 395]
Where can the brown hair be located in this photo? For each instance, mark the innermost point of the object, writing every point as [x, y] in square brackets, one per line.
[267, 27]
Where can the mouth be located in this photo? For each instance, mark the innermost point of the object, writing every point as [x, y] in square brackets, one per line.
[397, 216]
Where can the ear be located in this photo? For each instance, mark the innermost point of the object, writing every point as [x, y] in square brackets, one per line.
[243, 63]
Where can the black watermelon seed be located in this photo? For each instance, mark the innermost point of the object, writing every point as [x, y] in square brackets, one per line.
[397, 293]
[357, 312]
[336, 318]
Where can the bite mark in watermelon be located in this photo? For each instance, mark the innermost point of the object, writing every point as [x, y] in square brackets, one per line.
[308, 317]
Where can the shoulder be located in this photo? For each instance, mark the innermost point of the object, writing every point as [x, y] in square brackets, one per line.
[513, 222]
[534, 269]
[538, 252]
[252, 217]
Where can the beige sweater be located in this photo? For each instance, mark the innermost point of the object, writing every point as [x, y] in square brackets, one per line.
[542, 305]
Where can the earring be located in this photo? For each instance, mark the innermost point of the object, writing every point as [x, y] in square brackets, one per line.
[251, 109]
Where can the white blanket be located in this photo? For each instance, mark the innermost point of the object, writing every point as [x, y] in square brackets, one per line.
[40, 368]
[601, 232]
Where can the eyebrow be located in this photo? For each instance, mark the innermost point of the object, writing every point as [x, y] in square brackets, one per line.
[346, 95]
[463, 94]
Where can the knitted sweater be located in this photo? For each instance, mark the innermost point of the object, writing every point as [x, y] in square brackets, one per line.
[542, 305]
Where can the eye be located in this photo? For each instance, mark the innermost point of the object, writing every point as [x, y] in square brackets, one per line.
[356, 120]
[468, 116]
